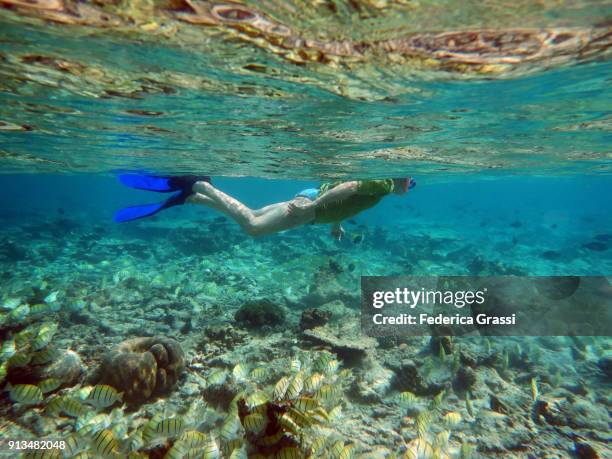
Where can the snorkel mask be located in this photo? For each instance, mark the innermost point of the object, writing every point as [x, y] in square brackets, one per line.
[406, 184]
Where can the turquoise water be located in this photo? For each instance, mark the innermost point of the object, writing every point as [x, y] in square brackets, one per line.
[196, 113]
[513, 178]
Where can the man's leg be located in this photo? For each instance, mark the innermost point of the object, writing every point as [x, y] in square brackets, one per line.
[267, 220]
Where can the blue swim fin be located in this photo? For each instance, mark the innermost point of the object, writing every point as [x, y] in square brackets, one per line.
[147, 182]
[161, 184]
[128, 214]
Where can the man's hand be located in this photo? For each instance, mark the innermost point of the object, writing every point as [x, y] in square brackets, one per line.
[300, 207]
[337, 231]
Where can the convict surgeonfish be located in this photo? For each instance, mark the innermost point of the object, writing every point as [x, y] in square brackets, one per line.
[52, 297]
[45, 334]
[158, 427]
[43, 309]
[259, 373]
[44, 356]
[255, 422]
[170, 428]
[103, 396]
[217, 377]
[193, 439]
[70, 406]
[19, 313]
[240, 372]
[3, 372]
[19, 360]
[49, 385]
[26, 394]
[313, 382]
[104, 444]
[10, 303]
[8, 349]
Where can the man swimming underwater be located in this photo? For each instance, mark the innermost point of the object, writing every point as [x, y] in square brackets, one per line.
[331, 203]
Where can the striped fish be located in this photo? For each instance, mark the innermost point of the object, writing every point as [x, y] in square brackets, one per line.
[217, 377]
[3, 372]
[335, 412]
[259, 374]
[193, 439]
[27, 394]
[281, 388]
[83, 455]
[239, 453]
[43, 454]
[240, 372]
[331, 367]
[289, 453]
[210, 450]
[54, 407]
[137, 455]
[104, 444]
[19, 360]
[49, 385]
[407, 398]
[270, 440]
[313, 382]
[320, 414]
[423, 421]
[72, 407]
[419, 449]
[348, 452]
[295, 386]
[317, 445]
[451, 419]
[327, 393]
[86, 432]
[230, 426]
[74, 444]
[44, 356]
[336, 449]
[305, 403]
[296, 365]
[23, 338]
[321, 362]
[103, 396]
[96, 421]
[193, 453]
[346, 373]
[227, 447]
[256, 399]
[42, 309]
[300, 419]
[288, 424]
[149, 433]
[45, 335]
[254, 423]
[441, 440]
[19, 313]
[177, 451]
[8, 349]
[134, 441]
[170, 428]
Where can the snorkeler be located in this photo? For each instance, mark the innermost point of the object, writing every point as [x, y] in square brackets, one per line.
[329, 204]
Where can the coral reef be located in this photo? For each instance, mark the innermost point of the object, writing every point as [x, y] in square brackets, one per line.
[260, 313]
[268, 385]
[314, 317]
